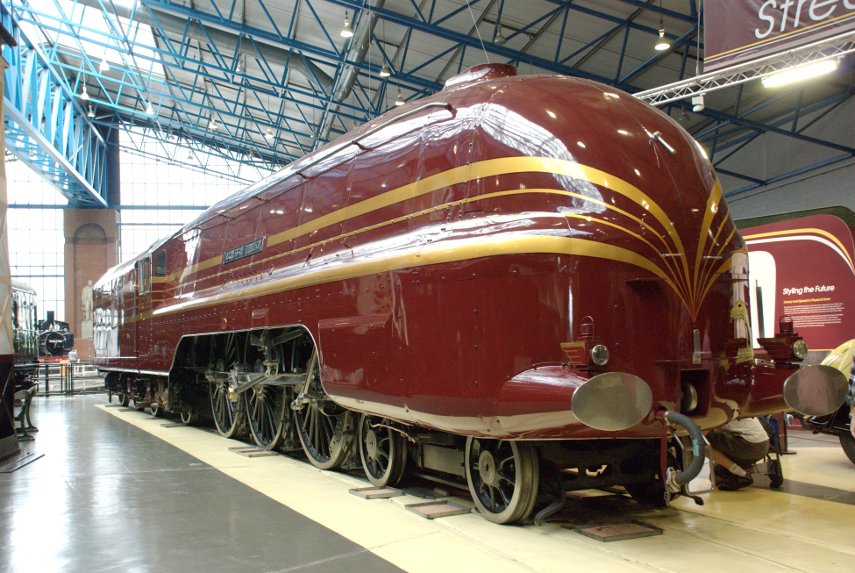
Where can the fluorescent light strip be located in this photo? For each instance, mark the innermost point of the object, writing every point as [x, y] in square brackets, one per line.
[799, 73]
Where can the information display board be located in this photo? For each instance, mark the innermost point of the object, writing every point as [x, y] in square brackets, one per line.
[802, 265]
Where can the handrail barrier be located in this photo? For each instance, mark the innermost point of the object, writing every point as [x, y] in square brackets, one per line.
[63, 378]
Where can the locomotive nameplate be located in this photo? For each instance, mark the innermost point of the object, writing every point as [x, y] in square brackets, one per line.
[243, 251]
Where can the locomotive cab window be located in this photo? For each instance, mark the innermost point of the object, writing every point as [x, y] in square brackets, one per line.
[160, 264]
[144, 275]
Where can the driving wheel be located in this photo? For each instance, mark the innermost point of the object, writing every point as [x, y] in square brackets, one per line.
[268, 415]
[503, 478]
[383, 451]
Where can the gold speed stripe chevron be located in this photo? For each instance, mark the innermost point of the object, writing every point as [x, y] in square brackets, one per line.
[715, 254]
[709, 274]
[680, 293]
[712, 208]
[680, 285]
[422, 255]
[805, 231]
[465, 173]
[725, 266]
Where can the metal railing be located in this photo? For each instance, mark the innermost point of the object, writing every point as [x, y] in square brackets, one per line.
[63, 378]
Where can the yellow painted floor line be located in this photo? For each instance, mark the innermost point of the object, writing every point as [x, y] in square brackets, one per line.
[746, 531]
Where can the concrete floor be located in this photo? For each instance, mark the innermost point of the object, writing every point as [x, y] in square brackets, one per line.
[109, 497]
[121, 492]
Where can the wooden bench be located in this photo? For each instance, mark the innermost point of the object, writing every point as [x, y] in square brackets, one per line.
[23, 416]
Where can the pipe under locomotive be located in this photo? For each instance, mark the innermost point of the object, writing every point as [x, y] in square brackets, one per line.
[509, 283]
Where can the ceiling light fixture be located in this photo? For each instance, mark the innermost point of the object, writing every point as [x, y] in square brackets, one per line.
[799, 73]
[399, 99]
[84, 93]
[91, 113]
[269, 134]
[662, 43]
[212, 124]
[384, 71]
[346, 31]
[500, 38]
[698, 103]
[149, 109]
[104, 66]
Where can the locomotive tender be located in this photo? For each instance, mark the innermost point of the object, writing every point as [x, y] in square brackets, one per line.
[518, 283]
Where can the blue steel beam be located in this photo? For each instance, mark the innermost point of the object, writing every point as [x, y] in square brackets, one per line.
[428, 17]
[46, 128]
[225, 69]
[781, 176]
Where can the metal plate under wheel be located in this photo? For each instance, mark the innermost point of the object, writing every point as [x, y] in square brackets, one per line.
[424, 492]
[437, 509]
[19, 462]
[253, 451]
[376, 492]
[172, 425]
[617, 531]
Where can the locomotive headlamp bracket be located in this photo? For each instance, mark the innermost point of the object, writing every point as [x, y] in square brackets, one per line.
[786, 345]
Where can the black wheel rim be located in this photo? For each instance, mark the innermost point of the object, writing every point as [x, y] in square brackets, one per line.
[317, 431]
[323, 427]
[187, 417]
[226, 413]
[266, 412]
[503, 478]
[494, 473]
[382, 451]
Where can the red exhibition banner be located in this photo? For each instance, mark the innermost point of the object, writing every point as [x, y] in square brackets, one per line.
[803, 267]
[736, 32]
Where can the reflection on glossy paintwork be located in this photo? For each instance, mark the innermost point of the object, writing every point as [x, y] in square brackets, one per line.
[492, 221]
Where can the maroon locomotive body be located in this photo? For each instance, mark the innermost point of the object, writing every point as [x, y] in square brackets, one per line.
[515, 273]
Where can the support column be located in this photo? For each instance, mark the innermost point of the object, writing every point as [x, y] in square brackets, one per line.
[91, 247]
[8, 438]
[113, 178]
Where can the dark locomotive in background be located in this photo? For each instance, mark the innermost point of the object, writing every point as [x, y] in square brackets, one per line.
[518, 284]
[34, 340]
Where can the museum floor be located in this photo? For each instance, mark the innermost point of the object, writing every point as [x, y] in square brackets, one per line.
[119, 490]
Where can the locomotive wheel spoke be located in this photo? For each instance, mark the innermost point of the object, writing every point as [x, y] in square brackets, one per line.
[382, 451]
[503, 478]
[228, 415]
[325, 430]
[156, 391]
[266, 412]
[189, 417]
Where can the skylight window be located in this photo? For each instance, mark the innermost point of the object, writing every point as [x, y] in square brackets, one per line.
[99, 34]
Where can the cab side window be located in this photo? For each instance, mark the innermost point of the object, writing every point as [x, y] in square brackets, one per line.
[160, 264]
[144, 275]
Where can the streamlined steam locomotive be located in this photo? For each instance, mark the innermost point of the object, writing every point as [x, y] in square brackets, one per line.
[520, 284]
